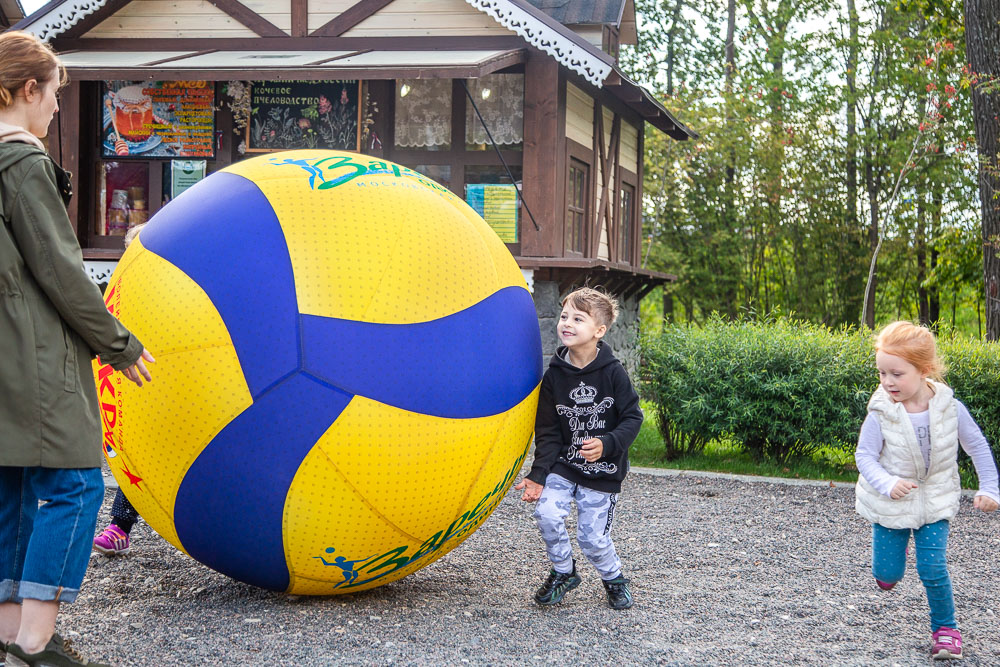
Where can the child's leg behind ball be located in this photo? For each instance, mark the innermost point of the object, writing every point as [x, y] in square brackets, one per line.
[550, 515]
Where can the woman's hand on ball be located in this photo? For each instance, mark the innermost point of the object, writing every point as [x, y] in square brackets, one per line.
[532, 490]
[137, 371]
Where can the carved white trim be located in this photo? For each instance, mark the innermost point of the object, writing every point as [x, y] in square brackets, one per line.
[540, 35]
[63, 17]
[99, 271]
[529, 277]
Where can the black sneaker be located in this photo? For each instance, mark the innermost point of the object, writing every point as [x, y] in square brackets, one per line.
[619, 595]
[556, 586]
[58, 652]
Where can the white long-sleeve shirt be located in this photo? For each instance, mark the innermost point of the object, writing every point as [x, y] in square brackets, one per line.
[969, 436]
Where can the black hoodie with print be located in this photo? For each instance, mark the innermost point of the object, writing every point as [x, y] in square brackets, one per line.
[575, 404]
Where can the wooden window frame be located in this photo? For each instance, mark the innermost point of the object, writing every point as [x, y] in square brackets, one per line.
[577, 152]
[626, 177]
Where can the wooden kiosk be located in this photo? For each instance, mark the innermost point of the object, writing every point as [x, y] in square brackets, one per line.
[487, 97]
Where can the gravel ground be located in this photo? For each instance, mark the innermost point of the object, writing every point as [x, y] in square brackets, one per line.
[725, 572]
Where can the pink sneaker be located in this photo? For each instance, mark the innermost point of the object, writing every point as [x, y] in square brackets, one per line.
[113, 541]
[947, 644]
[884, 586]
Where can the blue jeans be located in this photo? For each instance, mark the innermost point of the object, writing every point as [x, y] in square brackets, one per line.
[931, 543]
[44, 551]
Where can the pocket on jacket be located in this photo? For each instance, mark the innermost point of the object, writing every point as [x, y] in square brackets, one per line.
[69, 368]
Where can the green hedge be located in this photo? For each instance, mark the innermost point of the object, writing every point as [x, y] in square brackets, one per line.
[974, 374]
[784, 388]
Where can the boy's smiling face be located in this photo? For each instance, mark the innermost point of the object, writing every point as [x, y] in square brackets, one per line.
[577, 329]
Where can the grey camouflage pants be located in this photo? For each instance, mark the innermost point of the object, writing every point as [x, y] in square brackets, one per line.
[595, 514]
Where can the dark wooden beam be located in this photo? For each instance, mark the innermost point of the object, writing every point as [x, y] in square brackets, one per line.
[280, 43]
[93, 20]
[300, 18]
[248, 17]
[570, 279]
[544, 175]
[599, 148]
[349, 18]
[69, 143]
[647, 288]
[607, 176]
[636, 258]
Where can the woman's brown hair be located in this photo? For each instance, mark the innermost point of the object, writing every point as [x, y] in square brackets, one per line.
[24, 57]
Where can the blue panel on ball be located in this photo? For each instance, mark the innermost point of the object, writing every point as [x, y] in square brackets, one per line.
[477, 362]
[230, 505]
[224, 235]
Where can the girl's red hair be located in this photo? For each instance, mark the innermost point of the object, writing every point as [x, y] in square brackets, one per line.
[913, 343]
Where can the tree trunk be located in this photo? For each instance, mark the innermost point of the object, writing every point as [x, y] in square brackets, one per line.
[852, 117]
[670, 47]
[873, 181]
[982, 39]
[933, 293]
[923, 303]
[851, 212]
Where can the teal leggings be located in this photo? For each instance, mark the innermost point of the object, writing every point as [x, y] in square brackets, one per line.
[931, 543]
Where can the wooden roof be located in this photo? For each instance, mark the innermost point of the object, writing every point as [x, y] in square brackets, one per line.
[352, 26]
[617, 13]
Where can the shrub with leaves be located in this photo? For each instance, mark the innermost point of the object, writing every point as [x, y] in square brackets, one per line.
[780, 387]
[784, 388]
[974, 374]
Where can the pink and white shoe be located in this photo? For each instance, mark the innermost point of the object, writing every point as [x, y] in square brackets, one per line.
[113, 541]
[947, 644]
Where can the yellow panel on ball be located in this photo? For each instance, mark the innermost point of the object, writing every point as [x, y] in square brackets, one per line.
[378, 224]
[348, 363]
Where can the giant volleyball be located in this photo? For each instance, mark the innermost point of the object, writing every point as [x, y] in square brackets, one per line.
[348, 362]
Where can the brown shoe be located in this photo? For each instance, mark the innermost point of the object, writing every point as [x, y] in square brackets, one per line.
[58, 652]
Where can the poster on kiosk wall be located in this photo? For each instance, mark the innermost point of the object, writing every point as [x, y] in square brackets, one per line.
[158, 119]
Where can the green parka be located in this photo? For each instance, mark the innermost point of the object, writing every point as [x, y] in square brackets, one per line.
[53, 321]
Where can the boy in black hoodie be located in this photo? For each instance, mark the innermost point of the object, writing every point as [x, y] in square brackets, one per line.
[588, 415]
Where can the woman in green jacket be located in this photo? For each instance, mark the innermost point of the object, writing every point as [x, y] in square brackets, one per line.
[53, 321]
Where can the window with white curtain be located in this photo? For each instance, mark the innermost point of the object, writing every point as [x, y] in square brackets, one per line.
[500, 100]
[423, 114]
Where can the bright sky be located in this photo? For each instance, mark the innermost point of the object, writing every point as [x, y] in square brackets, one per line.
[29, 6]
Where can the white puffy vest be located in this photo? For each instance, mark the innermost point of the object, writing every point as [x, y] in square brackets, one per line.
[938, 487]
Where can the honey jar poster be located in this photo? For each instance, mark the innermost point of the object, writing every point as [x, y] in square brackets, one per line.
[149, 119]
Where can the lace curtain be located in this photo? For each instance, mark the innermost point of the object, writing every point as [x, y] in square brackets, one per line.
[423, 113]
[500, 99]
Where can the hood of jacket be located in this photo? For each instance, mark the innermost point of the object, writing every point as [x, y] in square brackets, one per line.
[604, 357]
[16, 133]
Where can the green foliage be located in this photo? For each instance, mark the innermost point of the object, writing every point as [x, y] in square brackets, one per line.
[781, 388]
[974, 374]
[775, 205]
